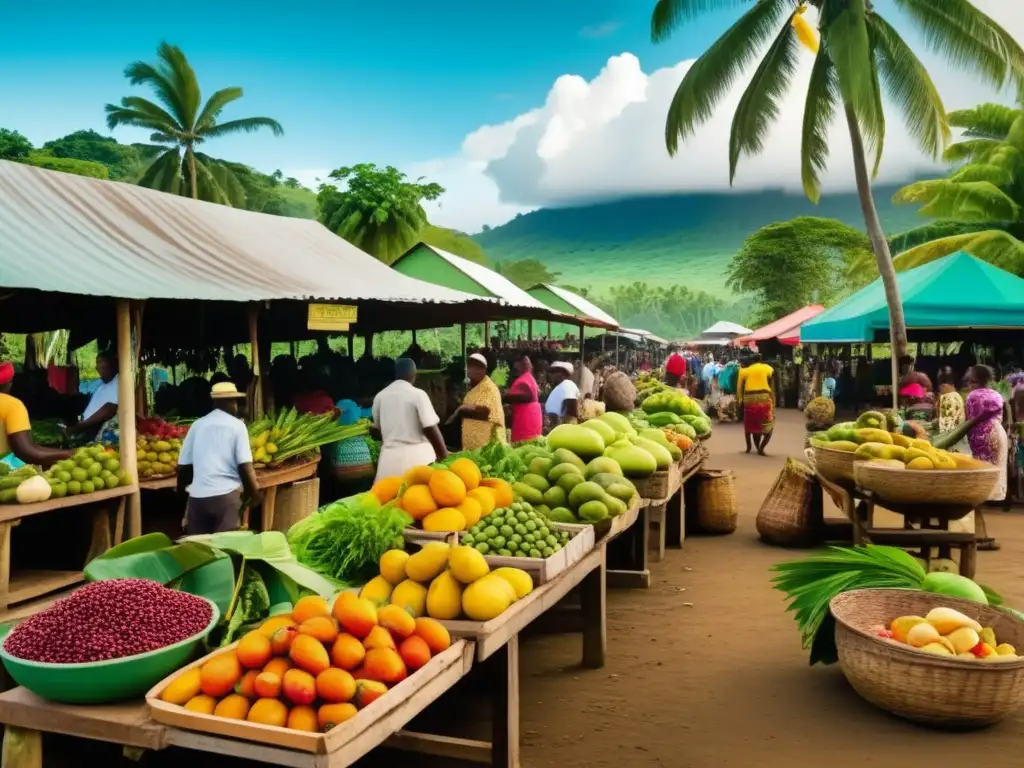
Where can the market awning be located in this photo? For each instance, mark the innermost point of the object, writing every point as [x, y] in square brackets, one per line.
[957, 292]
[783, 327]
[725, 328]
[569, 302]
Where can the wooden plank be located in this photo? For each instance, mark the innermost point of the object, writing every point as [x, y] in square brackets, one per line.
[244, 750]
[504, 687]
[126, 723]
[629, 579]
[17, 511]
[159, 484]
[917, 538]
[5, 563]
[491, 636]
[543, 570]
[22, 748]
[634, 550]
[593, 600]
[28, 584]
[265, 478]
[468, 750]
[23, 610]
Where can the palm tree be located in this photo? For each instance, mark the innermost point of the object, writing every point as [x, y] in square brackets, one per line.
[858, 55]
[378, 211]
[981, 204]
[181, 124]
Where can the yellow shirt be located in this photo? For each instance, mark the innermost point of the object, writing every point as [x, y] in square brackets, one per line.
[477, 433]
[13, 418]
[753, 378]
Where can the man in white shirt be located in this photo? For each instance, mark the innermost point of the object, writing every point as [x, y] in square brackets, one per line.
[405, 421]
[564, 401]
[587, 382]
[215, 464]
[102, 405]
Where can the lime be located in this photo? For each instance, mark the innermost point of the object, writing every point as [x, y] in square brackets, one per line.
[490, 532]
[530, 525]
[498, 542]
[512, 547]
[507, 530]
[467, 540]
[547, 552]
[482, 548]
[535, 553]
[516, 538]
[504, 553]
[552, 541]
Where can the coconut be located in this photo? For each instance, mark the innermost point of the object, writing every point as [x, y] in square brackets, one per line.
[619, 392]
[953, 585]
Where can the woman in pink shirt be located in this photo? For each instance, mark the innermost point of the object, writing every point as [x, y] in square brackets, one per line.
[527, 420]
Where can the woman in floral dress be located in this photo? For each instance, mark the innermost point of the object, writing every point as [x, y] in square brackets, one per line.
[987, 436]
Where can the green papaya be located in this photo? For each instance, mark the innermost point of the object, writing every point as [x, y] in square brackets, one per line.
[593, 512]
[528, 493]
[535, 481]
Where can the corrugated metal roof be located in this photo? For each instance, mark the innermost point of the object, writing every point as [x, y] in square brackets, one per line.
[496, 284]
[581, 304]
[71, 234]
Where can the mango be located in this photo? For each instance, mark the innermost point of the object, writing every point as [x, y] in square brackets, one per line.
[520, 580]
[487, 598]
[584, 492]
[922, 445]
[901, 440]
[540, 466]
[529, 494]
[602, 465]
[603, 428]
[662, 457]
[428, 562]
[874, 436]
[412, 596]
[634, 461]
[555, 496]
[585, 443]
[467, 565]
[1005, 649]
[562, 515]
[617, 421]
[593, 511]
[377, 590]
[901, 625]
[963, 639]
[954, 585]
[943, 460]
[920, 463]
[535, 481]
[847, 446]
[444, 598]
[565, 468]
[936, 649]
[922, 634]
[565, 456]
[946, 620]
[569, 481]
[963, 461]
[622, 491]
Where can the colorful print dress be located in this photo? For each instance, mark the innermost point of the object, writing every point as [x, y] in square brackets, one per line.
[988, 438]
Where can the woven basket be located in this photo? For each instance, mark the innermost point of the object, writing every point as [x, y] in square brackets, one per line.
[790, 514]
[936, 690]
[962, 487]
[833, 465]
[653, 487]
[295, 502]
[717, 505]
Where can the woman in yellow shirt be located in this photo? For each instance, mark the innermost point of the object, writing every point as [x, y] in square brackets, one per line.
[482, 414]
[756, 395]
[15, 428]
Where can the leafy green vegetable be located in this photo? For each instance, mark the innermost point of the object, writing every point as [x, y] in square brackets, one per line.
[251, 605]
[345, 539]
[496, 459]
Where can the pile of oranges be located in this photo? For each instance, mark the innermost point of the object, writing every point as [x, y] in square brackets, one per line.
[452, 499]
[314, 669]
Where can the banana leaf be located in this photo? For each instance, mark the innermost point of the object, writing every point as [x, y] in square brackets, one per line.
[156, 559]
[214, 581]
[286, 578]
[249, 606]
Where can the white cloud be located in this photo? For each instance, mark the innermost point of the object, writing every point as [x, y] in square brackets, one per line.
[605, 138]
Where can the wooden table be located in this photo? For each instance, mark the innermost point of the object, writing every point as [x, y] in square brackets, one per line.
[268, 480]
[858, 507]
[108, 511]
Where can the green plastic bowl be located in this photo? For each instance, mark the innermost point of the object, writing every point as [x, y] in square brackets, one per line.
[101, 682]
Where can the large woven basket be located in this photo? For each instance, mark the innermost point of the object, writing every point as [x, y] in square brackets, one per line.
[790, 515]
[296, 502]
[966, 487]
[717, 505]
[834, 465]
[653, 487]
[936, 690]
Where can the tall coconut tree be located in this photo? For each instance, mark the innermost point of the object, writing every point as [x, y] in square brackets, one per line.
[982, 201]
[859, 56]
[180, 122]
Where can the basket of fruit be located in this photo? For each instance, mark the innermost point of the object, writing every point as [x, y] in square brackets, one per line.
[938, 660]
[946, 479]
[835, 464]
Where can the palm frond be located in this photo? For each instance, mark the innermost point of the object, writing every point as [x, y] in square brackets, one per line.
[846, 33]
[910, 87]
[968, 38]
[712, 75]
[212, 109]
[208, 187]
[759, 106]
[117, 116]
[183, 77]
[246, 125]
[986, 121]
[158, 115]
[970, 149]
[972, 201]
[164, 173]
[227, 181]
[143, 73]
[1001, 249]
[993, 174]
[669, 15]
[819, 112]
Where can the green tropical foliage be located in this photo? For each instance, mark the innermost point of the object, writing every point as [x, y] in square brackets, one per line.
[124, 162]
[525, 273]
[376, 209]
[13, 146]
[980, 205]
[672, 311]
[790, 264]
[859, 57]
[453, 241]
[181, 122]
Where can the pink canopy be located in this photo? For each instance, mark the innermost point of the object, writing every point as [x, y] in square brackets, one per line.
[785, 330]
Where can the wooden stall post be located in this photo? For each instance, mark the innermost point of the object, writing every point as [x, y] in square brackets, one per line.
[126, 412]
[616, 350]
[351, 345]
[549, 329]
[487, 334]
[583, 353]
[256, 404]
[414, 337]
[529, 330]
[465, 369]
[141, 385]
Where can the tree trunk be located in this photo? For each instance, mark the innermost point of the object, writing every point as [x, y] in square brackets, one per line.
[879, 244]
[192, 172]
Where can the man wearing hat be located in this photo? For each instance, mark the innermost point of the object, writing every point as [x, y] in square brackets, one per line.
[215, 465]
[563, 404]
[15, 428]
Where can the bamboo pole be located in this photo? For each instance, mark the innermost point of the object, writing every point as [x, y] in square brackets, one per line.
[583, 352]
[616, 350]
[141, 385]
[465, 369]
[487, 334]
[126, 413]
[529, 330]
[256, 399]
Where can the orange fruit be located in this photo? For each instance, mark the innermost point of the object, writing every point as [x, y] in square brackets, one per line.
[368, 691]
[485, 497]
[269, 712]
[347, 652]
[330, 715]
[503, 493]
[418, 475]
[274, 623]
[278, 666]
[414, 652]
[309, 607]
[323, 628]
[379, 638]
[218, 676]
[234, 707]
[418, 502]
[183, 688]
[467, 471]
[267, 685]
[335, 685]
[247, 685]
[386, 489]
[398, 621]
[201, 704]
[254, 650]
[299, 687]
[303, 719]
[384, 665]
[447, 488]
[309, 654]
[357, 616]
[471, 510]
[434, 633]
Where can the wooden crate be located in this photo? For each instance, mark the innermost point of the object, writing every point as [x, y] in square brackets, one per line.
[367, 729]
[542, 570]
[614, 526]
[421, 537]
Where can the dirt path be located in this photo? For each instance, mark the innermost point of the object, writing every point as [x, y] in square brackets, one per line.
[724, 682]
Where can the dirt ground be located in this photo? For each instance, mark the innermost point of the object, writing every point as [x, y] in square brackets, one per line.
[704, 669]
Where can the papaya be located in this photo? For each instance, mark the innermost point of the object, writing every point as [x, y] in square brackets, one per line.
[563, 469]
[528, 493]
[585, 443]
[535, 481]
[603, 428]
[873, 436]
[617, 421]
[841, 445]
[565, 456]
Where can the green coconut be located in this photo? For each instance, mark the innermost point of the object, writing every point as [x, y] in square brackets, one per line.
[953, 585]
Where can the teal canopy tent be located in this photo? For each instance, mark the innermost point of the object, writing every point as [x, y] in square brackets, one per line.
[957, 292]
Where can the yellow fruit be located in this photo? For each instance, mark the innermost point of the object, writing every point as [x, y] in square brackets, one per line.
[921, 463]
[936, 649]
[412, 596]
[444, 598]
[418, 502]
[963, 639]
[487, 598]
[467, 565]
[392, 565]
[922, 445]
[467, 471]
[921, 635]
[386, 489]
[503, 493]
[428, 562]
[447, 488]
[485, 497]
[903, 624]
[946, 620]
[1005, 649]
[377, 590]
[963, 461]
[183, 689]
[447, 519]
[418, 475]
[471, 511]
[201, 704]
[520, 580]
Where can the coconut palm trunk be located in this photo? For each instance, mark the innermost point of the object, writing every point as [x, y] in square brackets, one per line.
[192, 172]
[879, 243]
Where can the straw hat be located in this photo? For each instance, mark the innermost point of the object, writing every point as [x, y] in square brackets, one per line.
[225, 390]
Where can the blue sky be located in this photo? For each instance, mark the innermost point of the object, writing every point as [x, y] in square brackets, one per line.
[393, 82]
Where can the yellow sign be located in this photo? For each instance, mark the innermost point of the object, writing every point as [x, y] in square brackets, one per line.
[331, 317]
